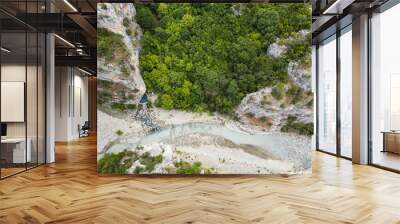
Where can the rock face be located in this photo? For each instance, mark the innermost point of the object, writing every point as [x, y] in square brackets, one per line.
[276, 50]
[120, 19]
[269, 111]
[300, 76]
[263, 110]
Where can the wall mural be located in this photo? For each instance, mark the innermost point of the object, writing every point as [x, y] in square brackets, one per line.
[204, 88]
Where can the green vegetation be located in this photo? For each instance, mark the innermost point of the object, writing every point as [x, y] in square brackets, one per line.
[118, 106]
[165, 102]
[129, 32]
[278, 92]
[103, 97]
[114, 96]
[126, 70]
[310, 104]
[299, 49]
[195, 63]
[126, 22]
[292, 125]
[296, 94]
[183, 167]
[130, 106]
[111, 46]
[146, 18]
[116, 163]
[120, 162]
[150, 161]
[119, 132]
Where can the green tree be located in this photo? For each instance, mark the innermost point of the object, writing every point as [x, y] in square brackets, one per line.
[145, 18]
[195, 63]
[166, 102]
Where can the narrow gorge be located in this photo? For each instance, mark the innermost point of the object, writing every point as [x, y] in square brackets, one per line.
[244, 126]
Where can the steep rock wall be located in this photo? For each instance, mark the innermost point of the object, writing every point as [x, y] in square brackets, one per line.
[120, 19]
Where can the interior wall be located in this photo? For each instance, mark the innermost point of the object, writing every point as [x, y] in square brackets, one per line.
[15, 73]
[71, 102]
[80, 109]
[61, 103]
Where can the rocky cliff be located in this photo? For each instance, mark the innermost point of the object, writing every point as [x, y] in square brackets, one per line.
[120, 78]
[284, 106]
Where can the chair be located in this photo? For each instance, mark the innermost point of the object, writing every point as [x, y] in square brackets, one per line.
[84, 130]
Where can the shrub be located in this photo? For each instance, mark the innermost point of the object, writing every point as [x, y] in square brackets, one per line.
[149, 104]
[103, 97]
[128, 32]
[145, 18]
[278, 92]
[293, 126]
[104, 84]
[110, 45]
[310, 104]
[126, 22]
[126, 70]
[183, 167]
[130, 106]
[166, 102]
[120, 162]
[112, 162]
[119, 132]
[138, 170]
[150, 161]
[296, 94]
[118, 106]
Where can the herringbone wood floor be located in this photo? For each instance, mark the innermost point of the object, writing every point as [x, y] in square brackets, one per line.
[70, 191]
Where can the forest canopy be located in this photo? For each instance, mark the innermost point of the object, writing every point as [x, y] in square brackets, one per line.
[207, 57]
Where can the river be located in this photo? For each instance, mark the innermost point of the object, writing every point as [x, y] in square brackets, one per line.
[283, 146]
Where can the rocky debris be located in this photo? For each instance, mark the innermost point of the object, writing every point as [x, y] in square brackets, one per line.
[221, 159]
[147, 118]
[263, 110]
[112, 129]
[300, 76]
[111, 16]
[276, 50]
[156, 149]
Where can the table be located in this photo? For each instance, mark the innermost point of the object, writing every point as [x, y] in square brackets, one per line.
[13, 150]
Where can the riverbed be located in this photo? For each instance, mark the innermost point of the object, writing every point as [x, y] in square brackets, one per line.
[280, 146]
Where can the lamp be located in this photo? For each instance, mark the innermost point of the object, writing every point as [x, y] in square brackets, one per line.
[70, 5]
[64, 40]
[5, 50]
